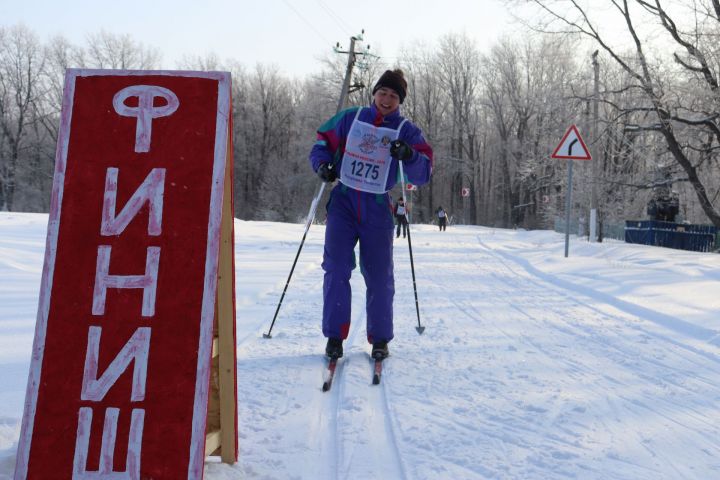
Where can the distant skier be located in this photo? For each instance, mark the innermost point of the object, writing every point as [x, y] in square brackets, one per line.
[362, 146]
[442, 219]
[401, 218]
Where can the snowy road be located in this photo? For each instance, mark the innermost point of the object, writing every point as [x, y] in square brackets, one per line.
[602, 365]
[522, 372]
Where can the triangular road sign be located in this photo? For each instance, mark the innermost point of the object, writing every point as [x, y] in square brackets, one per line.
[572, 147]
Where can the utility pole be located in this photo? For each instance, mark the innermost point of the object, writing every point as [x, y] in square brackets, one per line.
[348, 70]
[594, 147]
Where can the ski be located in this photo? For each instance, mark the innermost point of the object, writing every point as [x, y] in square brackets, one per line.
[329, 374]
[377, 373]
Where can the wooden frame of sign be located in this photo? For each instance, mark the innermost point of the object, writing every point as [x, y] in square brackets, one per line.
[221, 431]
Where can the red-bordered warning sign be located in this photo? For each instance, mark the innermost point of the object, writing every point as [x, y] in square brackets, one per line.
[572, 147]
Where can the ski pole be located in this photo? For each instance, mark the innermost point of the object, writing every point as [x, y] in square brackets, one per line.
[308, 222]
[420, 329]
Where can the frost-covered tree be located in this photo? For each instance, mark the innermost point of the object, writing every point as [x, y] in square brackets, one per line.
[22, 60]
[678, 79]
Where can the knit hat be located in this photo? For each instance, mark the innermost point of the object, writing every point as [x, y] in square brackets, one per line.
[394, 79]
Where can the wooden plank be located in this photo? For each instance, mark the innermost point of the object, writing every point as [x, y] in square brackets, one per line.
[212, 442]
[213, 410]
[215, 347]
[226, 322]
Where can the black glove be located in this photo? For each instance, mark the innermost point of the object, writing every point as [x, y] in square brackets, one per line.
[327, 173]
[401, 150]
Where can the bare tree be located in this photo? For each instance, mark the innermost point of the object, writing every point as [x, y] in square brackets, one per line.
[458, 64]
[504, 121]
[538, 80]
[264, 103]
[492, 119]
[691, 132]
[21, 61]
[108, 50]
[426, 106]
[203, 63]
[60, 55]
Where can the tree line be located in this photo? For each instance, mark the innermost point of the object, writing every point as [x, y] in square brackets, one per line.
[649, 116]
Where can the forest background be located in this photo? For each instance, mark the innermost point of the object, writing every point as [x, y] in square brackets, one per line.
[643, 92]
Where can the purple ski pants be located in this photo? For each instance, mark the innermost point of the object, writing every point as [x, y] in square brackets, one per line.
[354, 216]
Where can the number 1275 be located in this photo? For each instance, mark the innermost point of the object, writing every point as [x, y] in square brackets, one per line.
[370, 170]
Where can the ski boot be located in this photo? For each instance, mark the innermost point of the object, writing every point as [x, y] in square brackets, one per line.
[380, 350]
[334, 348]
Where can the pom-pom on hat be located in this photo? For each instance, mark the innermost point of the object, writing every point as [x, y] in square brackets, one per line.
[394, 79]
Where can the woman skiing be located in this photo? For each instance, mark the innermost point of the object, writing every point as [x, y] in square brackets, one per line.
[362, 147]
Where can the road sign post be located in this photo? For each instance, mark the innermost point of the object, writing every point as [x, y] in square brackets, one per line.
[571, 147]
[568, 205]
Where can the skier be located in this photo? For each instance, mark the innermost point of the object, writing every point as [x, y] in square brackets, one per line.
[442, 218]
[362, 147]
[401, 218]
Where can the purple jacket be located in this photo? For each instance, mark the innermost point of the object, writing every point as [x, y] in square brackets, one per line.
[331, 137]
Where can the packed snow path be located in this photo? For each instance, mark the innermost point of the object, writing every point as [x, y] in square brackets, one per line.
[533, 366]
[520, 373]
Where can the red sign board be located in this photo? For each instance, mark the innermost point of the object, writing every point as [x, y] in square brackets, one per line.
[571, 147]
[119, 374]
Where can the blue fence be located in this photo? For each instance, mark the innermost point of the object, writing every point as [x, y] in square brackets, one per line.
[697, 238]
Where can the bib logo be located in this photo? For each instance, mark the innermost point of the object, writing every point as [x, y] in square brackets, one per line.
[368, 142]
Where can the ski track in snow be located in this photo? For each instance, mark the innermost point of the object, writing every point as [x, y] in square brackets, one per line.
[345, 433]
[364, 428]
[554, 420]
[521, 373]
[605, 336]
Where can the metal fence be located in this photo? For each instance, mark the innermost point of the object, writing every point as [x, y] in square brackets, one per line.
[696, 238]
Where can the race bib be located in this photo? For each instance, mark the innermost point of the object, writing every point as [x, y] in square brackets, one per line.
[366, 162]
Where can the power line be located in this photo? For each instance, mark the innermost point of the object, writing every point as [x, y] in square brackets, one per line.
[306, 22]
[335, 17]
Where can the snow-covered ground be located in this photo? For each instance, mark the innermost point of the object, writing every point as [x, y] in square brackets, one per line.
[603, 365]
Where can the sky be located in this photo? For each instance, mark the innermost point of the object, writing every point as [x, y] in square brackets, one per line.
[292, 34]
[602, 365]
